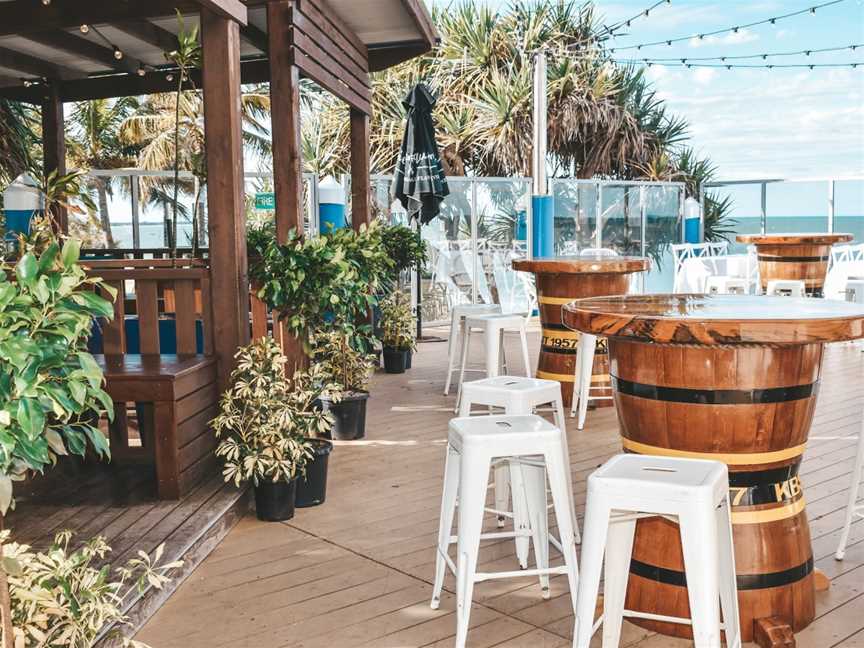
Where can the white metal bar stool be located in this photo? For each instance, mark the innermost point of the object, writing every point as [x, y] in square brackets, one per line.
[723, 285]
[473, 444]
[855, 291]
[786, 288]
[582, 386]
[493, 327]
[695, 493]
[854, 506]
[519, 396]
[457, 327]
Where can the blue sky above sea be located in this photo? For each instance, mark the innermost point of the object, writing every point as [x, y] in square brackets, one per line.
[780, 123]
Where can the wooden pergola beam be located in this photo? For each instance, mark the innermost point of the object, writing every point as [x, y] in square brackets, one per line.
[255, 37]
[54, 148]
[31, 66]
[231, 9]
[21, 17]
[361, 180]
[72, 44]
[225, 193]
[149, 33]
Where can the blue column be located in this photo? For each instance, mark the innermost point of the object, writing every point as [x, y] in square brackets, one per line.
[542, 226]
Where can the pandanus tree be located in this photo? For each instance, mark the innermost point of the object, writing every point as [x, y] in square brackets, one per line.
[604, 119]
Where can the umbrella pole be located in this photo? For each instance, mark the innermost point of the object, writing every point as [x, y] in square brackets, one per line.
[419, 287]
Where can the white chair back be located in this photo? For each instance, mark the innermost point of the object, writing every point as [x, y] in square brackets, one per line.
[601, 252]
[683, 251]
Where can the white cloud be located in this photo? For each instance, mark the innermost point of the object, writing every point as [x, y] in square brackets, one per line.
[704, 76]
[732, 38]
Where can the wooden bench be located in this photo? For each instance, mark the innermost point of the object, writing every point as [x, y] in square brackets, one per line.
[165, 400]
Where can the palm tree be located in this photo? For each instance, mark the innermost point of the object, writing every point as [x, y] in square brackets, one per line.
[17, 139]
[151, 128]
[94, 143]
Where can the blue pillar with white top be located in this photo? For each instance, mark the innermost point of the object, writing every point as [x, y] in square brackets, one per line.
[21, 201]
[331, 205]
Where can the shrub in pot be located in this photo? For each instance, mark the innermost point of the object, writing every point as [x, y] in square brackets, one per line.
[61, 597]
[397, 332]
[258, 432]
[343, 365]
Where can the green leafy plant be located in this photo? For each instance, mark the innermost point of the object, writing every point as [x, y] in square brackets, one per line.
[65, 598]
[341, 364]
[404, 247]
[327, 282]
[50, 387]
[265, 419]
[397, 322]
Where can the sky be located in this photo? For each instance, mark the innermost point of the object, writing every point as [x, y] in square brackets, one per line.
[779, 123]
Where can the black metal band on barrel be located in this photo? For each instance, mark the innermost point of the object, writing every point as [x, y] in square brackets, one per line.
[561, 350]
[791, 259]
[773, 486]
[745, 581]
[715, 396]
[555, 327]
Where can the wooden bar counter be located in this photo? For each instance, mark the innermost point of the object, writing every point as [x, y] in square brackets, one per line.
[560, 280]
[802, 257]
[734, 379]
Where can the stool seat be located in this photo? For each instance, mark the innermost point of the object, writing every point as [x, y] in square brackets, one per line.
[662, 478]
[501, 431]
[495, 319]
[457, 327]
[725, 285]
[786, 288]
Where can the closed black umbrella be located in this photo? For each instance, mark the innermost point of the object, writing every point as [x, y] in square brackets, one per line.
[420, 184]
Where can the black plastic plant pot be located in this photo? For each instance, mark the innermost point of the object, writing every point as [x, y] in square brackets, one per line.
[396, 360]
[312, 488]
[349, 416]
[274, 501]
[410, 357]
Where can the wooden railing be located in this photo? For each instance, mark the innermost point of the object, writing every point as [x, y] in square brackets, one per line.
[155, 289]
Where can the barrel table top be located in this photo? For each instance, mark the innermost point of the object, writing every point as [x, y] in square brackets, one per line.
[583, 265]
[717, 319]
[794, 239]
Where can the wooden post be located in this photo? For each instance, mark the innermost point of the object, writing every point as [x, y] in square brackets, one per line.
[285, 117]
[54, 148]
[225, 193]
[361, 202]
[287, 153]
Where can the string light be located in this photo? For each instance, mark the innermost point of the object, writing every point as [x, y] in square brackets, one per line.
[770, 66]
[642, 14]
[763, 56]
[85, 29]
[734, 29]
[118, 53]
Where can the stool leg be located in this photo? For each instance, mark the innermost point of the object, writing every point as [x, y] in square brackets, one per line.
[558, 486]
[522, 520]
[466, 341]
[616, 569]
[445, 524]
[577, 379]
[699, 541]
[854, 487]
[501, 476]
[587, 368]
[561, 425]
[502, 355]
[728, 582]
[473, 477]
[523, 336]
[534, 478]
[492, 349]
[596, 528]
[452, 347]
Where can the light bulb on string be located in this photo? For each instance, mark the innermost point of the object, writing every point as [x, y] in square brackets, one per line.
[85, 29]
[118, 54]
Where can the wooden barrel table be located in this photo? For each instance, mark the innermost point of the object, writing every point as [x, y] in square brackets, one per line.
[734, 379]
[559, 281]
[801, 257]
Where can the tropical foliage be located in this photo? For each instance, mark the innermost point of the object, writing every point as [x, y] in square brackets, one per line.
[17, 139]
[327, 282]
[265, 419]
[397, 322]
[404, 247]
[62, 597]
[51, 388]
[340, 363]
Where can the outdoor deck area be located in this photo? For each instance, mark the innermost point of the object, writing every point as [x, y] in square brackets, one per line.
[358, 570]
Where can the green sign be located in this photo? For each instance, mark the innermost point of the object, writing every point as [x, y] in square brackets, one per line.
[265, 201]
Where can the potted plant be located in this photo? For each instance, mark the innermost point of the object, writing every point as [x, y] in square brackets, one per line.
[397, 326]
[343, 365]
[309, 420]
[61, 597]
[258, 434]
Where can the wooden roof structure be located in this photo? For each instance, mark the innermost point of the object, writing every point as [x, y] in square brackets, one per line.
[56, 51]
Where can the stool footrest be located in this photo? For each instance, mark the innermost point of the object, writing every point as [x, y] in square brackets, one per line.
[632, 614]
[484, 576]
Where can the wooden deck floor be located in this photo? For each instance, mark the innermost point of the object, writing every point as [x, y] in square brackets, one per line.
[357, 571]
